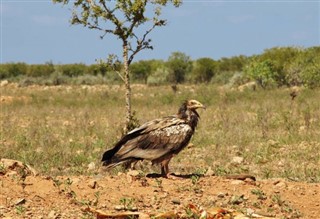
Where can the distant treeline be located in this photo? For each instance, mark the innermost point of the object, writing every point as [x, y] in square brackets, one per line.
[275, 67]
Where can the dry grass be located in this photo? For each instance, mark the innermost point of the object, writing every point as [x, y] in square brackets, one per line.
[60, 130]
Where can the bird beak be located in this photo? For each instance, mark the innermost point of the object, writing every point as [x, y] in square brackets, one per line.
[200, 105]
[203, 107]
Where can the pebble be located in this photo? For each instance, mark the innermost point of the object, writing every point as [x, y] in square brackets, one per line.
[280, 184]
[92, 184]
[133, 173]
[237, 182]
[221, 195]
[209, 172]
[4, 83]
[119, 207]
[237, 160]
[91, 166]
[236, 199]
[176, 201]
[20, 201]
[52, 214]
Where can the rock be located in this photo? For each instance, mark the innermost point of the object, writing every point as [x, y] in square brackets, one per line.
[20, 201]
[176, 201]
[250, 211]
[221, 195]
[235, 200]
[13, 167]
[53, 214]
[4, 83]
[237, 160]
[119, 207]
[209, 172]
[280, 185]
[92, 184]
[91, 166]
[237, 182]
[133, 173]
[134, 208]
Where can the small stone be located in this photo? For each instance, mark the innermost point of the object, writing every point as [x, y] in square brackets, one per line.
[91, 166]
[280, 184]
[134, 208]
[92, 184]
[209, 172]
[52, 214]
[4, 83]
[20, 201]
[119, 207]
[237, 160]
[176, 201]
[133, 173]
[250, 211]
[235, 200]
[237, 182]
[221, 195]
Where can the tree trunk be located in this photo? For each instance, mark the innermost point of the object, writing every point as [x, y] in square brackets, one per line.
[127, 87]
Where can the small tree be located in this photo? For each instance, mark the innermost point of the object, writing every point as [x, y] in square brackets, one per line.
[121, 18]
[262, 72]
[203, 70]
[180, 64]
[140, 70]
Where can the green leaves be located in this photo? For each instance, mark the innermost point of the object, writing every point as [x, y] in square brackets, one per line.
[262, 72]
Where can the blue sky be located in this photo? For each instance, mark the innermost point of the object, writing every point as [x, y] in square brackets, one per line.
[39, 31]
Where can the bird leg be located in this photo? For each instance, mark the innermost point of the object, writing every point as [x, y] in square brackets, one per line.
[165, 167]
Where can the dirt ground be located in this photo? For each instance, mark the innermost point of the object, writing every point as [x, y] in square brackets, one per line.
[26, 195]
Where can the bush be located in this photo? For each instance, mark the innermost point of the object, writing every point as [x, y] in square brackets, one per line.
[10, 70]
[140, 71]
[73, 70]
[222, 78]
[159, 77]
[180, 65]
[203, 70]
[263, 72]
[40, 70]
[311, 74]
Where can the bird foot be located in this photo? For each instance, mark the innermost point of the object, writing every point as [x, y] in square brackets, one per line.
[171, 176]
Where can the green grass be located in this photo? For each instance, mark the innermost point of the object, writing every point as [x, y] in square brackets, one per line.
[60, 130]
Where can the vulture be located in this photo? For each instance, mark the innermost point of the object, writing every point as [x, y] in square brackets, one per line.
[157, 140]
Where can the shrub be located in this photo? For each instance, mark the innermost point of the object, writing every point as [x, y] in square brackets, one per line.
[263, 72]
[10, 70]
[40, 70]
[203, 70]
[159, 77]
[73, 70]
[180, 64]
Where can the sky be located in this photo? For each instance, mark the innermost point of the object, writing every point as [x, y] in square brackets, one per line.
[38, 31]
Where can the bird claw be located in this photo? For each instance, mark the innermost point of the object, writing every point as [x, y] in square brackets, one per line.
[171, 176]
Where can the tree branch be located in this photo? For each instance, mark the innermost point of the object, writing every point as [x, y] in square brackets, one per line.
[142, 44]
[120, 75]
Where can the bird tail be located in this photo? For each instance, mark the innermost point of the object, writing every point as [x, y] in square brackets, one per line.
[108, 158]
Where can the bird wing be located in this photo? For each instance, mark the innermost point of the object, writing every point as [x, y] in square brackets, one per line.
[156, 138]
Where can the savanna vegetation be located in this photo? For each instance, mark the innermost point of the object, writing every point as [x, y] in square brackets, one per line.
[65, 129]
[269, 130]
[275, 67]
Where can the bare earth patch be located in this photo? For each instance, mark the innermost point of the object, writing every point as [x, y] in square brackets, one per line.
[68, 197]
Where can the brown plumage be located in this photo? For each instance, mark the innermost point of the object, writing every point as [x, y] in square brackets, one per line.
[158, 140]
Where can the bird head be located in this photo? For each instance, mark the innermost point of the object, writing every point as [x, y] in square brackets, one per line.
[194, 104]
